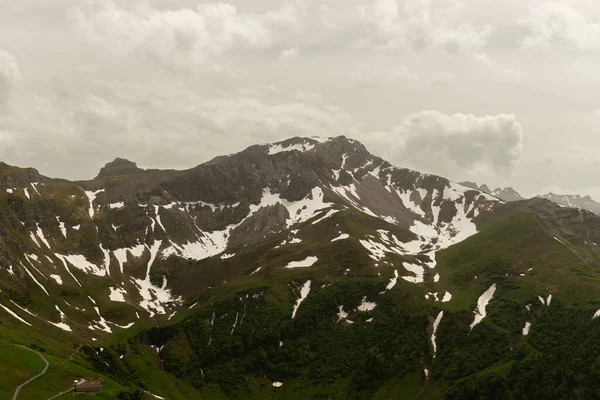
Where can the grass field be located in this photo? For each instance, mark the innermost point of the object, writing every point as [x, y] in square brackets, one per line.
[17, 365]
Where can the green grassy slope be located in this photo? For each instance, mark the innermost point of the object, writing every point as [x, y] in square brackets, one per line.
[17, 365]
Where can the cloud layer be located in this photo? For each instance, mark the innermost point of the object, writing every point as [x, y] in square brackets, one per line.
[455, 145]
[183, 37]
[9, 74]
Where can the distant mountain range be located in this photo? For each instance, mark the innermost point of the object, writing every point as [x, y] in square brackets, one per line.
[506, 194]
[567, 200]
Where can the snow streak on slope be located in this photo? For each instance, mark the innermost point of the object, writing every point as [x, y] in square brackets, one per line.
[91, 197]
[35, 280]
[154, 298]
[436, 324]
[11, 312]
[482, 303]
[64, 261]
[62, 325]
[526, 328]
[393, 281]
[304, 291]
[61, 225]
[342, 236]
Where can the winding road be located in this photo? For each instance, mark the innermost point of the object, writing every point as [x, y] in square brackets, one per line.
[35, 377]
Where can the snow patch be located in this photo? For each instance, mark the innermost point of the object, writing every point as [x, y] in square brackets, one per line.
[307, 262]
[304, 291]
[482, 303]
[342, 236]
[117, 205]
[80, 262]
[279, 148]
[526, 328]
[327, 215]
[366, 306]
[436, 324]
[416, 269]
[62, 227]
[57, 278]
[447, 297]
[393, 281]
[91, 197]
[117, 294]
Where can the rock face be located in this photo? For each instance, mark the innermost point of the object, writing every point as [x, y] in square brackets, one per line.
[13, 178]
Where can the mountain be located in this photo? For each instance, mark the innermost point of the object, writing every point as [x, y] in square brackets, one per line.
[570, 200]
[506, 194]
[307, 268]
[574, 200]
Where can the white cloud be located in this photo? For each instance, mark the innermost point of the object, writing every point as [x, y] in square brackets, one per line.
[182, 37]
[513, 75]
[374, 74]
[418, 24]
[290, 53]
[161, 126]
[483, 59]
[9, 74]
[453, 145]
[442, 78]
[560, 24]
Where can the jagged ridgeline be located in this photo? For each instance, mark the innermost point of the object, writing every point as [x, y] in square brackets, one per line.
[308, 268]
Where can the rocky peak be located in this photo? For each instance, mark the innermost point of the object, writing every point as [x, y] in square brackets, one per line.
[14, 177]
[507, 194]
[119, 166]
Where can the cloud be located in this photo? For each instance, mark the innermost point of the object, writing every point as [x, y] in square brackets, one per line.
[288, 54]
[9, 74]
[418, 24]
[160, 125]
[443, 78]
[455, 145]
[183, 37]
[374, 74]
[560, 24]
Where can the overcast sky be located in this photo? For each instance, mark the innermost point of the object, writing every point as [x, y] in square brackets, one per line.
[499, 92]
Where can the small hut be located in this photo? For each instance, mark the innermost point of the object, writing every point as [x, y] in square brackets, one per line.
[84, 386]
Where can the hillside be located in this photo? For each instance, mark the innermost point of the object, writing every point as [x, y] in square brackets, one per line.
[308, 268]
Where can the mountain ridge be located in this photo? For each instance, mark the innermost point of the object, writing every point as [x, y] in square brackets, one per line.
[262, 255]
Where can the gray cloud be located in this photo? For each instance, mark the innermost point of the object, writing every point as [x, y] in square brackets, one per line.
[184, 37]
[171, 83]
[177, 129]
[560, 24]
[455, 145]
[419, 24]
[9, 74]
